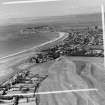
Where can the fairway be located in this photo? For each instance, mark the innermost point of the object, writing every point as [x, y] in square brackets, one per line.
[65, 74]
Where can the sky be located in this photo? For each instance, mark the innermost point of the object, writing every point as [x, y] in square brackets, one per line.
[52, 8]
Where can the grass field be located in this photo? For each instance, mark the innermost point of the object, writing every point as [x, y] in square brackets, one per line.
[69, 73]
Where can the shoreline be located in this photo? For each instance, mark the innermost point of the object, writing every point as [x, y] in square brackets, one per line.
[36, 48]
[18, 57]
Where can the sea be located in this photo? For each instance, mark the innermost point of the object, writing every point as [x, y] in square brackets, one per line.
[11, 44]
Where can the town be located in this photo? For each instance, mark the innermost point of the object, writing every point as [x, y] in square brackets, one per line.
[86, 42]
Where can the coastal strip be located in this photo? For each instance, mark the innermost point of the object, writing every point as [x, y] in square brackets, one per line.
[62, 36]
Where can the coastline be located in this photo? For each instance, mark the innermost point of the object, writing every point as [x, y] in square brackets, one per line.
[36, 48]
[14, 60]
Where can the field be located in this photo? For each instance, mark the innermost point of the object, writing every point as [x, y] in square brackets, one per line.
[68, 73]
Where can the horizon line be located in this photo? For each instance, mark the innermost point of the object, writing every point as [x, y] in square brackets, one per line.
[88, 13]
